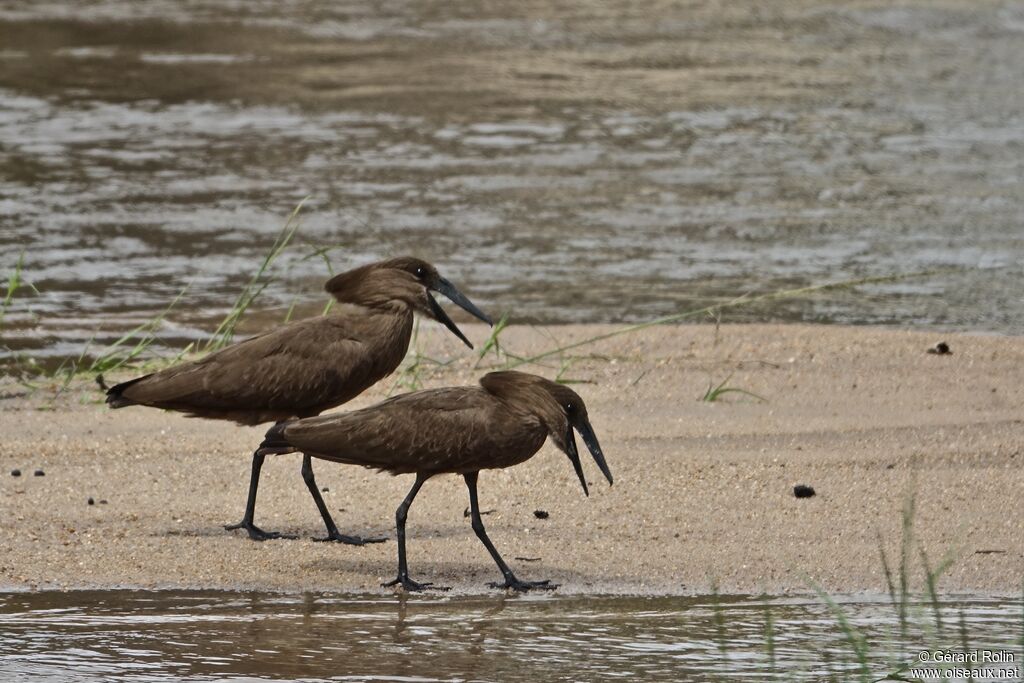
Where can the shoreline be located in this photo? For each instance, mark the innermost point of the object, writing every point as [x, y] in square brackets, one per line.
[702, 496]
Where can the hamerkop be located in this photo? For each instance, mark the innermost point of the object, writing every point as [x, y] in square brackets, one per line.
[462, 430]
[308, 366]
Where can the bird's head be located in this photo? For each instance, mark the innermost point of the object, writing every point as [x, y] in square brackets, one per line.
[558, 407]
[404, 281]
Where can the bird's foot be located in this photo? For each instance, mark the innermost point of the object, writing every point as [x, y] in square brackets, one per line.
[337, 537]
[411, 586]
[256, 533]
[515, 584]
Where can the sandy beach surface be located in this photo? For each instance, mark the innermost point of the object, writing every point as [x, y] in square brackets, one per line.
[703, 494]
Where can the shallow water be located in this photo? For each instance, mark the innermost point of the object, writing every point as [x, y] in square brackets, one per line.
[599, 162]
[208, 635]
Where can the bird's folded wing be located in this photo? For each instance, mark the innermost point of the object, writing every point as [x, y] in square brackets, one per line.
[432, 430]
[297, 364]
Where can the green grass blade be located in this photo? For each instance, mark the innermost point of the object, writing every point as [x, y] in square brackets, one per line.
[743, 300]
[493, 341]
[225, 332]
[113, 357]
[853, 636]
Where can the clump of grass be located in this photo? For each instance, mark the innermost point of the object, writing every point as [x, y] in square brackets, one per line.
[18, 365]
[508, 360]
[493, 342]
[136, 345]
[323, 252]
[931, 577]
[561, 377]
[854, 637]
[135, 348]
[715, 392]
[120, 354]
[15, 282]
[715, 310]
[416, 365]
[769, 632]
[225, 332]
[907, 522]
[719, 618]
[1020, 641]
[887, 571]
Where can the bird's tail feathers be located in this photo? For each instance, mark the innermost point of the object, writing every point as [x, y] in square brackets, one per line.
[115, 398]
[274, 443]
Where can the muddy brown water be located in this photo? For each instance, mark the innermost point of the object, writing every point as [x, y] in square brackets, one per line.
[591, 161]
[207, 635]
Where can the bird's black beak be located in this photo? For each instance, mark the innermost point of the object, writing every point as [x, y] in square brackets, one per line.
[574, 457]
[443, 318]
[589, 438]
[459, 299]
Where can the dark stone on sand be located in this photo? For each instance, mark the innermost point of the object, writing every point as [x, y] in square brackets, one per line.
[39, 473]
[940, 349]
[541, 514]
[91, 501]
[15, 473]
[803, 491]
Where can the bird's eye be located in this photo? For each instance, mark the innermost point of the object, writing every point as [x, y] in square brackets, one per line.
[421, 272]
[570, 408]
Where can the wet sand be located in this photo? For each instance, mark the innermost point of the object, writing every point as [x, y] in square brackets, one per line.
[703, 492]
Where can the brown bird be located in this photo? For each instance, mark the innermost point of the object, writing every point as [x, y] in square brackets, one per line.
[459, 430]
[308, 366]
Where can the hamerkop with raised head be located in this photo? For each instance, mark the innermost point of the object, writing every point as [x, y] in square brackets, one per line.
[308, 366]
[460, 430]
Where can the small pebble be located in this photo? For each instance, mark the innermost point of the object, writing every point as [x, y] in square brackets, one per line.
[803, 491]
[15, 473]
[103, 501]
[39, 473]
[325, 490]
[541, 514]
[940, 349]
[91, 501]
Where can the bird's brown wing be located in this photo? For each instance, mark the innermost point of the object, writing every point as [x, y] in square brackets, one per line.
[440, 430]
[274, 375]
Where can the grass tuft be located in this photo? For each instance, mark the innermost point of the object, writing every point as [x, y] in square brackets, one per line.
[716, 309]
[854, 637]
[716, 392]
[906, 542]
[493, 342]
[15, 281]
[120, 354]
[225, 332]
[416, 365]
[931, 577]
[769, 632]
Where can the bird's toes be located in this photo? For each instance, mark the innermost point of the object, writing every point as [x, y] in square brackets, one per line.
[350, 540]
[255, 533]
[523, 586]
[411, 586]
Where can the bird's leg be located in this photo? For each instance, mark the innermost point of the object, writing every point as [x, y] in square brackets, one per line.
[255, 533]
[332, 531]
[511, 582]
[403, 567]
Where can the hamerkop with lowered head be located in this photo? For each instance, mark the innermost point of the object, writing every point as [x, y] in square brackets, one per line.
[308, 366]
[459, 430]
